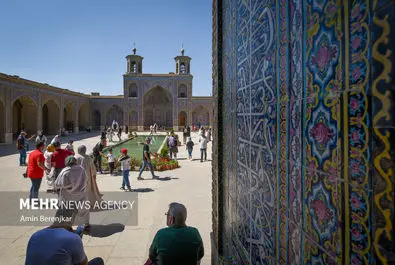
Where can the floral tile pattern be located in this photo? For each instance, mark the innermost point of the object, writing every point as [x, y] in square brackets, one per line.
[308, 93]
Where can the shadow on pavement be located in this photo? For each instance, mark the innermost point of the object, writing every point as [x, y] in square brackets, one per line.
[105, 230]
[162, 178]
[142, 190]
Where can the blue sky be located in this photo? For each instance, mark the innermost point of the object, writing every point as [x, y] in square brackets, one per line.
[81, 45]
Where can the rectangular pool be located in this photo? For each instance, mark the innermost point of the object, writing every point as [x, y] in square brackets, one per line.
[135, 146]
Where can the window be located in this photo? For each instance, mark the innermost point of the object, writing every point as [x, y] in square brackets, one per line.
[133, 91]
[134, 67]
[182, 68]
[182, 91]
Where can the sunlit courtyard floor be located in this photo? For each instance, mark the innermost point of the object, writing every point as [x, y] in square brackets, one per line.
[190, 185]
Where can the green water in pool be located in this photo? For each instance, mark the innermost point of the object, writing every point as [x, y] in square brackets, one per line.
[135, 146]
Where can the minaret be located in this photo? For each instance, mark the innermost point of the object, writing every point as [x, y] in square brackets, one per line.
[134, 63]
[183, 64]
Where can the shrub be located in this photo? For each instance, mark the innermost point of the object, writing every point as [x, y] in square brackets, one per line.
[164, 153]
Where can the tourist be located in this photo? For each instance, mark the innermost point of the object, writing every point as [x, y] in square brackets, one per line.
[111, 161]
[41, 138]
[58, 159]
[28, 142]
[110, 134]
[151, 129]
[103, 134]
[48, 164]
[86, 162]
[71, 183]
[119, 133]
[178, 243]
[147, 160]
[58, 244]
[189, 147]
[124, 160]
[114, 125]
[184, 135]
[56, 139]
[97, 154]
[21, 147]
[208, 135]
[188, 131]
[126, 130]
[35, 169]
[70, 146]
[203, 147]
[155, 127]
[172, 145]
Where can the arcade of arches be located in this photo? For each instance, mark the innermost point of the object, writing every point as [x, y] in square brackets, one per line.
[50, 113]
[24, 113]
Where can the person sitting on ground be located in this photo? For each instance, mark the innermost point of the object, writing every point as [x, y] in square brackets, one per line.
[178, 244]
[58, 244]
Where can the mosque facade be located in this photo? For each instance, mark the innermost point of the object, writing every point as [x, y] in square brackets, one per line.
[164, 99]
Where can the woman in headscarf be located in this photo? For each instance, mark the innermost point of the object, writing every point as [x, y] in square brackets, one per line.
[47, 164]
[86, 162]
[72, 182]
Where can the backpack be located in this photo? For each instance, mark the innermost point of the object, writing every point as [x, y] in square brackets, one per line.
[172, 141]
[19, 143]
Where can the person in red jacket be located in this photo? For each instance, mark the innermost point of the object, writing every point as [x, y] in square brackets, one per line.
[35, 169]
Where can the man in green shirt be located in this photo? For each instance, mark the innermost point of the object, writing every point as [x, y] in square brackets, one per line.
[178, 244]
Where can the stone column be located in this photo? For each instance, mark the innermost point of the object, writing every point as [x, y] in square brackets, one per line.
[76, 122]
[8, 136]
[140, 114]
[175, 112]
[61, 115]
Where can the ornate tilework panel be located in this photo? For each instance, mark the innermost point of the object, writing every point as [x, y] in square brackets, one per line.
[308, 132]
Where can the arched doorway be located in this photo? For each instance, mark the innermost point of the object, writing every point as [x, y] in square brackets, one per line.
[133, 119]
[96, 116]
[69, 116]
[115, 113]
[182, 119]
[158, 107]
[50, 115]
[201, 116]
[83, 117]
[2, 122]
[24, 115]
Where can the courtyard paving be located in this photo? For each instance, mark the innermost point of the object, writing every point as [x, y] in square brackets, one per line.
[190, 185]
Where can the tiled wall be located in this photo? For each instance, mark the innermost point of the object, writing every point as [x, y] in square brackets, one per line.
[307, 131]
